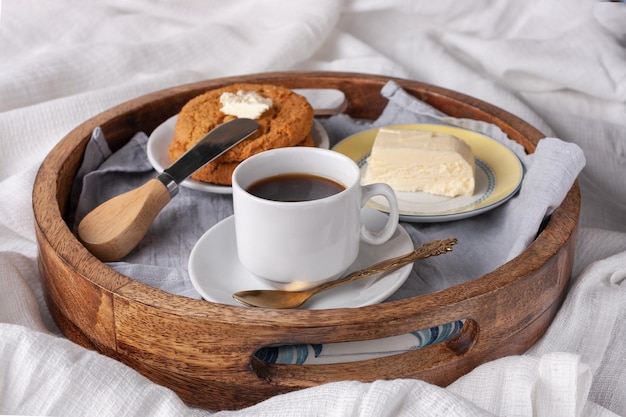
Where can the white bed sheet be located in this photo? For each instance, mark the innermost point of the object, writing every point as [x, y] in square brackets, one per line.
[560, 65]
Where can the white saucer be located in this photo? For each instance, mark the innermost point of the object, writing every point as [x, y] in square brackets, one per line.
[158, 154]
[216, 273]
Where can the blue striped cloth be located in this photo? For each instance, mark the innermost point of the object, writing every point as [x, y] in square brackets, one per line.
[310, 354]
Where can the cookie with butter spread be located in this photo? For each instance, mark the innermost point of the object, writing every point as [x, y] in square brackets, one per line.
[285, 119]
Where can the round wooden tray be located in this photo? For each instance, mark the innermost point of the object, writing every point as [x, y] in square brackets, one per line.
[205, 351]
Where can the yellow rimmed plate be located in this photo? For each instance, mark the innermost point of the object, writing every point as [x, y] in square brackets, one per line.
[499, 174]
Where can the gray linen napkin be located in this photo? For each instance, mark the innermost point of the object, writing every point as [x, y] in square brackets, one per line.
[491, 239]
[484, 242]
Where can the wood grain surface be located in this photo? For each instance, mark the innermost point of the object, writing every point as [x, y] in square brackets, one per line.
[204, 351]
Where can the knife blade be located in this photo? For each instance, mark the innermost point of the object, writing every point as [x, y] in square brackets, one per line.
[112, 229]
[213, 144]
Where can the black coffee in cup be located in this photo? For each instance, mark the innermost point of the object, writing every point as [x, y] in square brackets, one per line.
[295, 187]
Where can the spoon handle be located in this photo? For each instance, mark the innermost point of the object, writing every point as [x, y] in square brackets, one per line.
[115, 227]
[428, 249]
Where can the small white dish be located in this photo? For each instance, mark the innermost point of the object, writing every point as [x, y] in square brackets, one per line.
[158, 154]
[216, 273]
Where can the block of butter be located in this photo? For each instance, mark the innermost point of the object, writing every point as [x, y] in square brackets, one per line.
[416, 160]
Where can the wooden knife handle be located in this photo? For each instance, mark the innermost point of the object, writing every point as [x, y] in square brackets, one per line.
[114, 228]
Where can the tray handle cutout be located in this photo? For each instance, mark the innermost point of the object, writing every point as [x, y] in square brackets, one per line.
[444, 353]
[325, 101]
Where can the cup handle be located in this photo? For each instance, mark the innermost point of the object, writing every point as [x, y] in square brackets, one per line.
[369, 191]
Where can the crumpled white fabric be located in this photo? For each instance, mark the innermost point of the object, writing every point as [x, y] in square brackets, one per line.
[557, 384]
[65, 61]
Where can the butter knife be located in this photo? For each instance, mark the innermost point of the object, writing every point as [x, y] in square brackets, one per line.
[111, 230]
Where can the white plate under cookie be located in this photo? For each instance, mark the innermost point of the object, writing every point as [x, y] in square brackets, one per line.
[158, 155]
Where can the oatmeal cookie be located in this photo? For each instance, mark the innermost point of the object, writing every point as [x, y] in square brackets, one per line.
[287, 122]
[220, 172]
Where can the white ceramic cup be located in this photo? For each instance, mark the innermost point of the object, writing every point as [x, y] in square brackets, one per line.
[306, 242]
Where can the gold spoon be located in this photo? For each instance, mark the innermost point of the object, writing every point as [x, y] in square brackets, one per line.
[293, 299]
